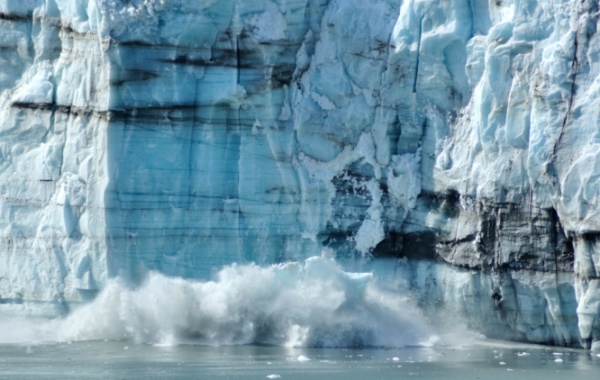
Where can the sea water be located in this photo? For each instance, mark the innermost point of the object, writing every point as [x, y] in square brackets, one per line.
[311, 319]
[123, 360]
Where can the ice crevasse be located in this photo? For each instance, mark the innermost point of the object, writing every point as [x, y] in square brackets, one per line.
[180, 136]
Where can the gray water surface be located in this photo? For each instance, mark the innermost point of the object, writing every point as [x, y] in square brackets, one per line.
[118, 360]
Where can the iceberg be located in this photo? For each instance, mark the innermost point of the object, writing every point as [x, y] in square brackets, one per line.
[176, 137]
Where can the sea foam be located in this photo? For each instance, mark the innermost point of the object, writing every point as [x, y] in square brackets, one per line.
[309, 304]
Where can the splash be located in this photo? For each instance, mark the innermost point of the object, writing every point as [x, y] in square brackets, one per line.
[310, 304]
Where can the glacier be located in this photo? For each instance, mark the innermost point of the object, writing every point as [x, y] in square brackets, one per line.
[178, 137]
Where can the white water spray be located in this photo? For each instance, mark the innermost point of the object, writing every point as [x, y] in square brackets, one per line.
[314, 303]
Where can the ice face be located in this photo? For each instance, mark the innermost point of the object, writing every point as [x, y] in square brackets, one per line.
[179, 137]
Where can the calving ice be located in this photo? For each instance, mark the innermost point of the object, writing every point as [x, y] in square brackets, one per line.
[156, 142]
[308, 304]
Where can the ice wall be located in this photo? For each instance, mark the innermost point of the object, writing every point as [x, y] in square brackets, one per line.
[180, 136]
[54, 91]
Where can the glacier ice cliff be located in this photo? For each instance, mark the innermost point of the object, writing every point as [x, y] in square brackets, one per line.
[176, 136]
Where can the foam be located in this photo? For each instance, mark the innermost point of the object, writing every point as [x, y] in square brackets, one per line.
[298, 304]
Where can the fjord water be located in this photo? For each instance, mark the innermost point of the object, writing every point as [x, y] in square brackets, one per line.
[291, 321]
[119, 360]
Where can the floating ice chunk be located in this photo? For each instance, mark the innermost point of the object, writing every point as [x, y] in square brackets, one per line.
[303, 358]
[273, 376]
[369, 234]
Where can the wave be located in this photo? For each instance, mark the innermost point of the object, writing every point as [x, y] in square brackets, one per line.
[309, 304]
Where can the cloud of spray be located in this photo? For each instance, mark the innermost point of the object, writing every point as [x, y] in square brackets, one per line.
[310, 304]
